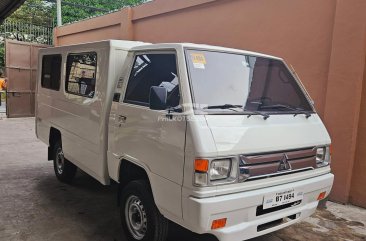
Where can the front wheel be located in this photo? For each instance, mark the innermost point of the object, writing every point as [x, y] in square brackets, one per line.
[141, 219]
[65, 170]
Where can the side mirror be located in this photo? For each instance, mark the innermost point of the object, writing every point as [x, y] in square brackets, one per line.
[158, 97]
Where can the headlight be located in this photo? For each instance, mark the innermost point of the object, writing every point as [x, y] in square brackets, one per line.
[322, 156]
[215, 172]
[220, 169]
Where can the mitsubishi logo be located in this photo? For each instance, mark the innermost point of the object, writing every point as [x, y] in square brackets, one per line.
[284, 164]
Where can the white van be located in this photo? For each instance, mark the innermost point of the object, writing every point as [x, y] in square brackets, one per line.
[217, 140]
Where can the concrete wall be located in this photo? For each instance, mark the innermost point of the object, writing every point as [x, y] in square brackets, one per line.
[323, 40]
[116, 25]
[358, 189]
[279, 28]
[344, 91]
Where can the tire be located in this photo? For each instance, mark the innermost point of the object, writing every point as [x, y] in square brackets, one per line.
[65, 171]
[141, 219]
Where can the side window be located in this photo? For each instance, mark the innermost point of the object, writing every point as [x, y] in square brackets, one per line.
[51, 72]
[153, 70]
[81, 72]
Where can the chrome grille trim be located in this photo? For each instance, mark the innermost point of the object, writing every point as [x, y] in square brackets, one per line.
[253, 167]
[279, 174]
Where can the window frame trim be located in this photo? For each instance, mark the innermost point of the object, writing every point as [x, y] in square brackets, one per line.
[147, 52]
[66, 77]
[42, 73]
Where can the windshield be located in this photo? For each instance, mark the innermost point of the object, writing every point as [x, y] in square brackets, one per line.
[225, 81]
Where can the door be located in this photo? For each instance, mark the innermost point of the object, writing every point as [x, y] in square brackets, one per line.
[21, 70]
[151, 137]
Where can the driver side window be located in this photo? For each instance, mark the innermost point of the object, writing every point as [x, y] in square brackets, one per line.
[153, 70]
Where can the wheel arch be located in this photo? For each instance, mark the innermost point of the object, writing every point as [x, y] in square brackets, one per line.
[130, 171]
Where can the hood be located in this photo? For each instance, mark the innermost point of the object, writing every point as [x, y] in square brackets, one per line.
[238, 134]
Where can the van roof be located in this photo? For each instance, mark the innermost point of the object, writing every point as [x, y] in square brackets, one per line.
[201, 47]
[121, 44]
[136, 45]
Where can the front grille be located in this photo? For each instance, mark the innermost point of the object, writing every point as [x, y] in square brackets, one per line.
[253, 167]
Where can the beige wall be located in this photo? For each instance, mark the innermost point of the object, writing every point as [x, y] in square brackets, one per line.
[324, 41]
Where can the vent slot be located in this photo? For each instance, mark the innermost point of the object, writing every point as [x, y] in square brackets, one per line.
[277, 222]
[272, 224]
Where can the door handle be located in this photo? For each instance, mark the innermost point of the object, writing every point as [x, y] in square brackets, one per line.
[121, 120]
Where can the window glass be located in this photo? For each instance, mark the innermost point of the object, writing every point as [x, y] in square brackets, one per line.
[153, 70]
[81, 74]
[247, 82]
[51, 72]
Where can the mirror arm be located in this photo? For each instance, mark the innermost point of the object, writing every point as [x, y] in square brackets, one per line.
[177, 109]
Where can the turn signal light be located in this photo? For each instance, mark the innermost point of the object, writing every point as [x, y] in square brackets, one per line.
[321, 196]
[218, 223]
[201, 165]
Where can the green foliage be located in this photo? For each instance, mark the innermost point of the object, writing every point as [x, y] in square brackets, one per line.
[32, 12]
[36, 12]
[43, 13]
[75, 13]
[2, 58]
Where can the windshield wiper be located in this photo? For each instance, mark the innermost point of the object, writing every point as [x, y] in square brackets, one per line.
[231, 107]
[307, 114]
[298, 110]
[250, 113]
[225, 106]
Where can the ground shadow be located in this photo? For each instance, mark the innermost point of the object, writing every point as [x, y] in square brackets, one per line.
[93, 207]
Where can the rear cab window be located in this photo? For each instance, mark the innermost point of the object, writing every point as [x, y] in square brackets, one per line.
[149, 70]
[81, 69]
[51, 71]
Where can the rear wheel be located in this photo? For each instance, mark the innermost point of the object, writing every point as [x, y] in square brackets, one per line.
[65, 171]
[141, 219]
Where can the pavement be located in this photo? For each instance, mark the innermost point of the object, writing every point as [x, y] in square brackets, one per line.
[2, 107]
[34, 206]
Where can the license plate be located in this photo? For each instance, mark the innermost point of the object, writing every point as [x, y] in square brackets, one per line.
[281, 198]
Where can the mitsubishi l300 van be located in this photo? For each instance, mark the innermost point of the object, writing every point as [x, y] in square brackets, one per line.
[220, 141]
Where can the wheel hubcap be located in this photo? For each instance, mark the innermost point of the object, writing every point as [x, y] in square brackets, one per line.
[60, 161]
[135, 216]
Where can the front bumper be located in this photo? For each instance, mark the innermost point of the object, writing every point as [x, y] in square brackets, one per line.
[240, 209]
